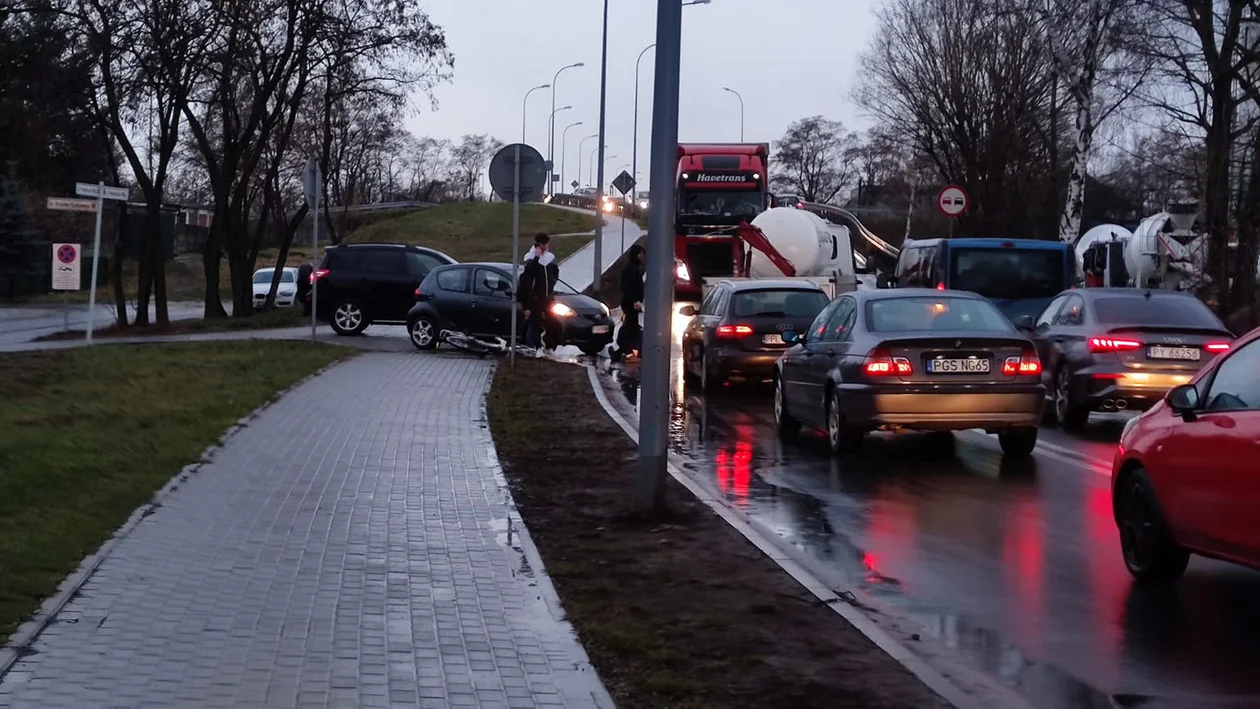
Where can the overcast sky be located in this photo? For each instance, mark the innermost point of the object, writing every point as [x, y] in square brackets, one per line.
[789, 59]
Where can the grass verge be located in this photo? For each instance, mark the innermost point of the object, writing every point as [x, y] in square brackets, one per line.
[265, 320]
[681, 612]
[480, 231]
[91, 433]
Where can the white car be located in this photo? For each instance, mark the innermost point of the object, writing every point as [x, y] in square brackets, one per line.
[286, 292]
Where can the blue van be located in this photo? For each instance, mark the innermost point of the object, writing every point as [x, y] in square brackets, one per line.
[1020, 276]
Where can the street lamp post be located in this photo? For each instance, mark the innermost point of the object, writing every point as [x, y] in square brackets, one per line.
[654, 408]
[581, 145]
[564, 135]
[634, 142]
[551, 127]
[525, 104]
[552, 122]
[599, 149]
[741, 111]
[597, 281]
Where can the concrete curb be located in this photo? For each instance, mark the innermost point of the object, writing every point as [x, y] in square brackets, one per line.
[934, 680]
[22, 640]
[527, 548]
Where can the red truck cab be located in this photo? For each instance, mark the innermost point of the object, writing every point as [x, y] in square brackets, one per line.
[720, 185]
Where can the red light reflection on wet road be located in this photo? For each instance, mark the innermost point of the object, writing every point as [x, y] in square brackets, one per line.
[1023, 564]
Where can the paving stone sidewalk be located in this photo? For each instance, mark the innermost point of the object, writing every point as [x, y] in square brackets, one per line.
[353, 546]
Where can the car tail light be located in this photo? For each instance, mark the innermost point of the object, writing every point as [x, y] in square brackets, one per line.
[1217, 347]
[881, 364]
[318, 274]
[417, 293]
[1026, 365]
[1112, 344]
[734, 330]
[940, 286]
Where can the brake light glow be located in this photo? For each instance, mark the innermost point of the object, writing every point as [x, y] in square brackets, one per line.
[318, 274]
[881, 364]
[1217, 347]
[940, 286]
[1112, 344]
[734, 330]
[417, 293]
[1026, 365]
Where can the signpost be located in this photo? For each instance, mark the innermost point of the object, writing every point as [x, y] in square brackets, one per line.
[66, 275]
[313, 187]
[101, 192]
[67, 204]
[574, 184]
[624, 184]
[952, 202]
[519, 173]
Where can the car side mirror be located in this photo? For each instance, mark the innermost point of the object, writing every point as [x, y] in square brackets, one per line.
[1025, 322]
[791, 337]
[1184, 400]
[687, 310]
[884, 280]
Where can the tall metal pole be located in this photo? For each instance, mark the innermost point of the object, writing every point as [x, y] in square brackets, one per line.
[315, 261]
[649, 491]
[634, 142]
[564, 143]
[525, 105]
[741, 111]
[597, 281]
[551, 128]
[581, 146]
[516, 243]
[96, 260]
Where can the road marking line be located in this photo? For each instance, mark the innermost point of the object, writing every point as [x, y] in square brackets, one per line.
[937, 682]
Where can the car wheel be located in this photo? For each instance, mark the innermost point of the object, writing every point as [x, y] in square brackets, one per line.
[1018, 442]
[591, 350]
[787, 425]
[348, 318]
[707, 381]
[423, 332]
[1070, 415]
[840, 437]
[1149, 551]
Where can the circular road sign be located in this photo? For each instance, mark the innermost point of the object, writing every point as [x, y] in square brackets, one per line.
[67, 254]
[533, 173]
[952, 201]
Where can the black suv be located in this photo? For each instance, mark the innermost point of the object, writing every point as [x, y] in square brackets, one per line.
[361, 284]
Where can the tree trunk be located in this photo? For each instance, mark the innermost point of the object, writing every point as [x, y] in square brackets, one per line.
[1216, 189]
[116, 270]
[212, 262]
[145, 284]
[1074, 204]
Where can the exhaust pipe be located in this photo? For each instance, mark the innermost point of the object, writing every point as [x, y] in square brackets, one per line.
[1122, 404]
[1108, 405]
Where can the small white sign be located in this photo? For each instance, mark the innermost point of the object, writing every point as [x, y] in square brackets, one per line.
[66, 204]
[84, 189]
[65, 267]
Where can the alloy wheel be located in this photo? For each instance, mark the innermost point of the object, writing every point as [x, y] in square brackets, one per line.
[1062, 394]
[1137, 530]
[348, 316]
[422, 333]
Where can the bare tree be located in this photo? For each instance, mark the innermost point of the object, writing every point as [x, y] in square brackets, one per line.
[969, 90]
[814, 159]
[469, 160]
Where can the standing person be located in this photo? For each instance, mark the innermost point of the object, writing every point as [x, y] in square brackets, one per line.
[630, 335]
[538, 282]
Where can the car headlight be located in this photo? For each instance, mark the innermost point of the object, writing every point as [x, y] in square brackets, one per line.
[681, 270]
[562, 310]
[605, 309]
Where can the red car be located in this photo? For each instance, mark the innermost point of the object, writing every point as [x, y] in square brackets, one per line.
[1186, 476]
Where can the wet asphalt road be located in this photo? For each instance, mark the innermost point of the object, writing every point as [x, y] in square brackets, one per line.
[1014, 568]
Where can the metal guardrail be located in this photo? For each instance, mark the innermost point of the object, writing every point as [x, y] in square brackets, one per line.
[578, 201]
[381, 206]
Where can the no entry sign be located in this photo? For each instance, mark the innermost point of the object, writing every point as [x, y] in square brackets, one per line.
[952, 200]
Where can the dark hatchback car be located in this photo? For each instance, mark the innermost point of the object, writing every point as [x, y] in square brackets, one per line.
[361, 284]
[476, 298]
[738, 329]
[1111, 349]
[912, 359]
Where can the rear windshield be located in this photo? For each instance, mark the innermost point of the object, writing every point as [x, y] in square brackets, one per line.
[1164, 311]
[1008, 273]
[778, 303]
[928, 314]
[265, 276]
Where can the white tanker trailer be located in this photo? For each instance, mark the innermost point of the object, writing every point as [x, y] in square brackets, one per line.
[792, 243]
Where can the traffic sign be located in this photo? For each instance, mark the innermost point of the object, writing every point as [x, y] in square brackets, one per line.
[623, 182]
[312, 182]
[952, 200]
[575, 184]
[65, 267]
[68, 204]
[533, 173]
[83, 189]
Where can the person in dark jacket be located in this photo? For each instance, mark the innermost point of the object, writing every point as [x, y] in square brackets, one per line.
[630, 336]
[538, 282]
